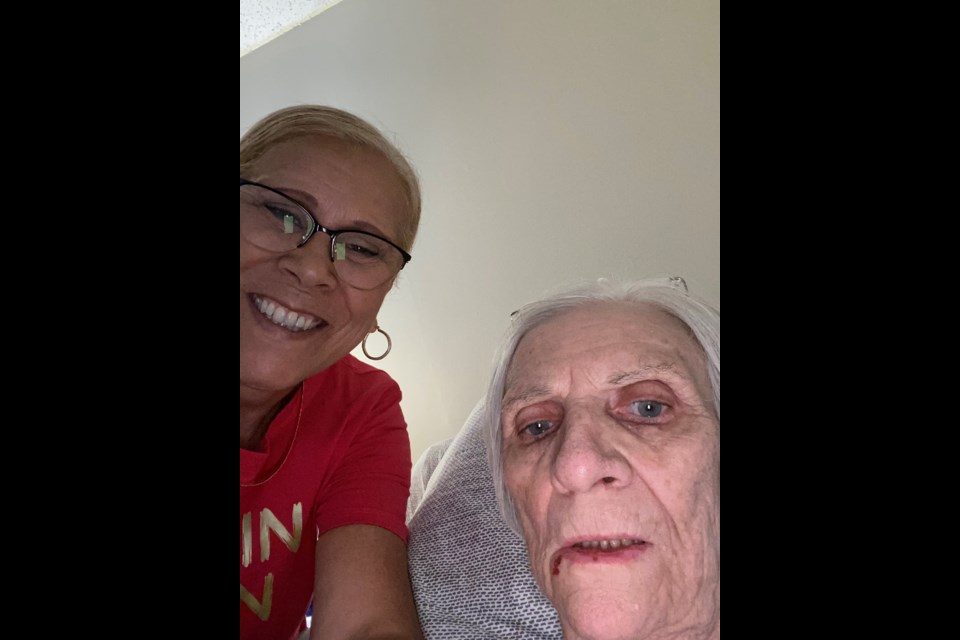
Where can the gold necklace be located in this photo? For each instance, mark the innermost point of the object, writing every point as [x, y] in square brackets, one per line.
[289, 449]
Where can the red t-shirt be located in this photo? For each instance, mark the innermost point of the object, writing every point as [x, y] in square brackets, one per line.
[337, 454]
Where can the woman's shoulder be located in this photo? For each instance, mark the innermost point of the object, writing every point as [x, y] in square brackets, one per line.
[358, 367]
[351, 378]
[349, 367]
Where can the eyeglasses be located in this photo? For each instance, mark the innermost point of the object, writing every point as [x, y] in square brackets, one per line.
[272, 220]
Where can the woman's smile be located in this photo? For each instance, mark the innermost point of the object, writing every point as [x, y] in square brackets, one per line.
[287, 318]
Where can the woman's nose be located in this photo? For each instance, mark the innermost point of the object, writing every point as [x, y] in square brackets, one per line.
[311, 264]
[588, 455]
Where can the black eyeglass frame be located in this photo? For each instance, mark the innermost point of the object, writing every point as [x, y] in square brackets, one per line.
[333, 233]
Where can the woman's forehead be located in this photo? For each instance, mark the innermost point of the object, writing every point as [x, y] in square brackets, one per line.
[335, 180]
[616, 341]
[609, 324]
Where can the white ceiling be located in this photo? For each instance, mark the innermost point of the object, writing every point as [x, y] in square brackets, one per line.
[263, 20]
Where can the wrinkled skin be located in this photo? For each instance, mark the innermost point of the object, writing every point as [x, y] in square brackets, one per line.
[609, 435]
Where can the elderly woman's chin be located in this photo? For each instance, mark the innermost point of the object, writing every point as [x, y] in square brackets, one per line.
[611, 603]
[601, 614]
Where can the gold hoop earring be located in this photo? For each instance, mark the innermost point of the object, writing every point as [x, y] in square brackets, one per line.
[385, 353]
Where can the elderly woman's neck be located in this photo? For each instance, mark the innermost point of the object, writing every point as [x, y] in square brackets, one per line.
[708, 629]
[257, 410]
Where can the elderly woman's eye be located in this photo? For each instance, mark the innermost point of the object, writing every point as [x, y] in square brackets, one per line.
[647, 408]
[537, 429]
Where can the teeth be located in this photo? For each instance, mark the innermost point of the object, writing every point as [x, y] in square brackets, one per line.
[284, 317]
[608, 545]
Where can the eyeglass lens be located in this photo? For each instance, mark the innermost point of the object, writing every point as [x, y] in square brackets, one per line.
[271, 221]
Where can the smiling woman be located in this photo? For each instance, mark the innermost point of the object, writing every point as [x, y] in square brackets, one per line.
[603, 425]
[328, 212]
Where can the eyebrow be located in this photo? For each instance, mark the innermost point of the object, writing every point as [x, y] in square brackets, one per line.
[524, 394]
[626, 377]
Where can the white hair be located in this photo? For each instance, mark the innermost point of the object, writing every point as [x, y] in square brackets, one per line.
[670, 296]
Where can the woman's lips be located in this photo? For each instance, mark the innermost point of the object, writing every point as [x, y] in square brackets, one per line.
[600, 551]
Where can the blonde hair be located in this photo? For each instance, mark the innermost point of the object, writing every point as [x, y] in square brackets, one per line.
[316, 120]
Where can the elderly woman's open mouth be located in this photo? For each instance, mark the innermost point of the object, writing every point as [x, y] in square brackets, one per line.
[608, 550]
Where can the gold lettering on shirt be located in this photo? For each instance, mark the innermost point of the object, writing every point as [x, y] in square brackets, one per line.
[261, 608]
[269, 522]
[247, 532]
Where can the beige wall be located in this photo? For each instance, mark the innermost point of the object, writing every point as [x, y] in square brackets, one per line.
[555, 140]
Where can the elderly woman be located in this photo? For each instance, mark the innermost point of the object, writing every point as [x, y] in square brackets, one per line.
[603, 428]
[328, 213]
